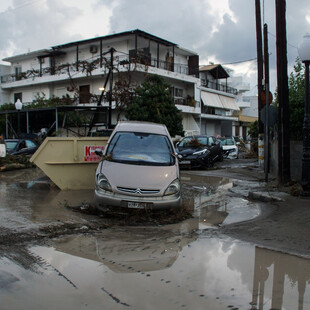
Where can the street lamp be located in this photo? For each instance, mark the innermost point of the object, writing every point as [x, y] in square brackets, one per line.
[304, 54]
[18, 106]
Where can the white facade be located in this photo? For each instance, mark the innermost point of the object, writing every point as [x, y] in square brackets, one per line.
[4, 95]
[79, 69]
[218, 109]
[248, 105]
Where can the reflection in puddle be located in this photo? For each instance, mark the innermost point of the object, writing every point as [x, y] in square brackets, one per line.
[166, 271]
[209, 200]
[140, 251]
[277, 277]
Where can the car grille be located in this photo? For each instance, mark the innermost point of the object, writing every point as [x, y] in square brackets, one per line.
[138, 191]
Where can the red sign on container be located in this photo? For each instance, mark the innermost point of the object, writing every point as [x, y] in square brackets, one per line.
[89, 153]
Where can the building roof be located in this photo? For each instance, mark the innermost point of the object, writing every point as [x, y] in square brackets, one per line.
[28, 55]
[217, 71]
[56, 49]
[118, 35]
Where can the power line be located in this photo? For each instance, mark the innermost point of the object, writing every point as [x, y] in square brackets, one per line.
[26, 3]
[239, 62]
[233, 63]
[291, 45]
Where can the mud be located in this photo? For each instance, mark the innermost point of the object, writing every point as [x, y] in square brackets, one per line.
[238, 243]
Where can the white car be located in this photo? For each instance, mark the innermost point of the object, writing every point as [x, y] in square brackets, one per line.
[229, 147]
[139, 169]
[2, 148]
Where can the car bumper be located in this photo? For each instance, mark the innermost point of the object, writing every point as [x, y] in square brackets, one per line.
[232, 155]
[104, 200]
[192, 162]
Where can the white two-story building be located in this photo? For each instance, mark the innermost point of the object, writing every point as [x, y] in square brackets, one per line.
[80, 69]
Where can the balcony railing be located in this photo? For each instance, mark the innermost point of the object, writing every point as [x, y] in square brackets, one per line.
[186, 101]
[218, 86]
[87, 67]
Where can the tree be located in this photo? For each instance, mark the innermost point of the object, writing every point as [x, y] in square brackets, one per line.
[297, 100]
[153, 102]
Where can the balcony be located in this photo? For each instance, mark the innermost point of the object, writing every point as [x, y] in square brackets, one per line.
[87, 67]
[219, 87]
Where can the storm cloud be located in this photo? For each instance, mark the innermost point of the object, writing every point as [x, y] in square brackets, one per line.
[221, 31]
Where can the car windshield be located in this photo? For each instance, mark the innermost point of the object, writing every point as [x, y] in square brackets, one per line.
[227, 141]
[10, 145]
[141, 148]
[194, 142]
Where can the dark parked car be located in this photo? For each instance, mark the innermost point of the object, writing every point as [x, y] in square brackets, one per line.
[198, 151]
[20, 146]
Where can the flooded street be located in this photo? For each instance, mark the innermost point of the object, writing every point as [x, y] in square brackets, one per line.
[52, 257]
[153, 270]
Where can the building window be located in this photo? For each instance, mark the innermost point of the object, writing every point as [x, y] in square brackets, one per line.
[210, 110]
[18, 96]
[178, 92]
[18, 71]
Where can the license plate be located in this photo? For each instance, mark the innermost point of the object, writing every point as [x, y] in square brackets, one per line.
[185, 162]
[136, 205]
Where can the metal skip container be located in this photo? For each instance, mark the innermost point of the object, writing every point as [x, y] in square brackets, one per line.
[70, 162]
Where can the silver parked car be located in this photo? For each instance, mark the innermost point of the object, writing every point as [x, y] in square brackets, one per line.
[230, 149]
[139, 169]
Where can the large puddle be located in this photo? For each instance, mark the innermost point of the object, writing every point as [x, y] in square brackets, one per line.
[180, 266]
[152, 269]
[25, 206]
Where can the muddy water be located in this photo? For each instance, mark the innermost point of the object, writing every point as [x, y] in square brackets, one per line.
[153, 269]
[181, 266]
[210, 200]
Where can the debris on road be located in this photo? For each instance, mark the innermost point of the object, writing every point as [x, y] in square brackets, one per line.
[11, 162]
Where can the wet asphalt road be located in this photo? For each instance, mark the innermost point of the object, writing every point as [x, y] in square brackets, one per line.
[52, 257]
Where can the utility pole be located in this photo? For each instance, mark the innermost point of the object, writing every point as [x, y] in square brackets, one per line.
[112, 50]
[284, 172]
[266, 121]
[259, 48]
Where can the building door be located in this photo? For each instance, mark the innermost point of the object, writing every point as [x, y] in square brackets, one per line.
[244, 133]
[237, 131]
[85, 94]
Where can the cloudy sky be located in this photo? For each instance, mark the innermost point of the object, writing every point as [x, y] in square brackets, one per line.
[220, 31]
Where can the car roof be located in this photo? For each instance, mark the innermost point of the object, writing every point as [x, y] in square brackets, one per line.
[147, 127]
[198, 136]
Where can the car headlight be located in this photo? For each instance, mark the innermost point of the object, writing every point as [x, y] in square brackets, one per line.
[103, 183]
[173, 188]
[202, 152]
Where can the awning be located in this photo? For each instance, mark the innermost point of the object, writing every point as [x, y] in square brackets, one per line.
[211, 100]
[229, 103]
[219, 101]
[247, 119]
[190, 125]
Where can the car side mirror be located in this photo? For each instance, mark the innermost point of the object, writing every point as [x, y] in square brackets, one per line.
[99, 152]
